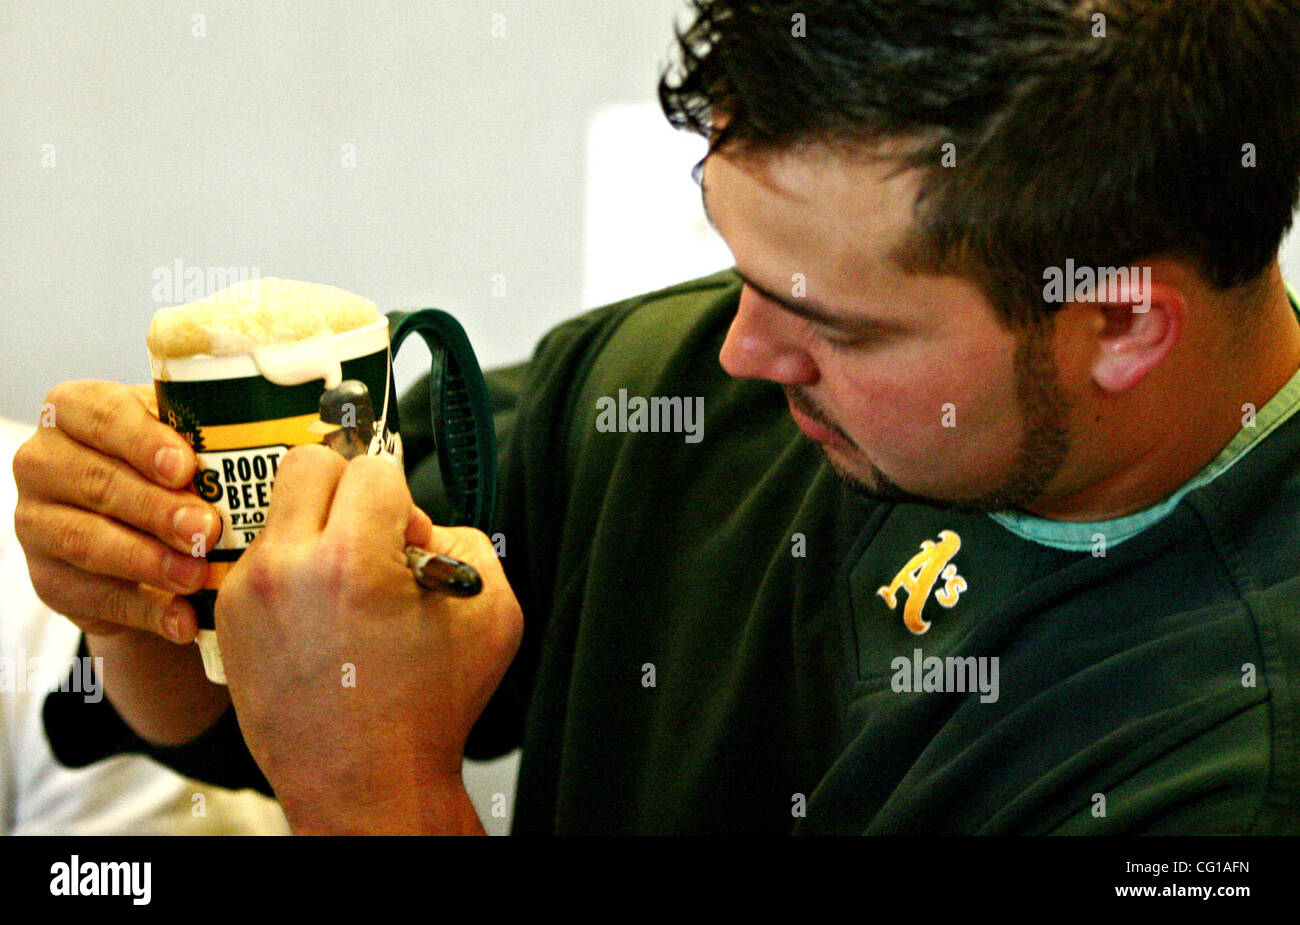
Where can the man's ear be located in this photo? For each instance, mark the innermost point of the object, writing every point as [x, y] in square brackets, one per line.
[1135, 333]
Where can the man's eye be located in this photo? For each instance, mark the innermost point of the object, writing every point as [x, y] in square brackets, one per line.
[836, 343]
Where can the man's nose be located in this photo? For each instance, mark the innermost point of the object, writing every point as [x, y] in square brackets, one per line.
[767, 342]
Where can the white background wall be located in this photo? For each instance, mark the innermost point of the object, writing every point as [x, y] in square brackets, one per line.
[226, 149]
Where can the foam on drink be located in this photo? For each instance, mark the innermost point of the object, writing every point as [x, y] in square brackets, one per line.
[286, 326]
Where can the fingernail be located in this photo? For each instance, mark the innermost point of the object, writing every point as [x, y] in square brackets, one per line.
[187, 521]
[172, 621]
[168, 462]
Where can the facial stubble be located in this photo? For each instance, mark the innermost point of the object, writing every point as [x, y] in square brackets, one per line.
[1044, 443]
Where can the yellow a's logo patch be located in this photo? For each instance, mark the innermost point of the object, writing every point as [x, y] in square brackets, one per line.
[918, 578]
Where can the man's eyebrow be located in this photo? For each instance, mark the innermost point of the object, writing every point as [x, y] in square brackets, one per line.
[814, 312]
[818, 314]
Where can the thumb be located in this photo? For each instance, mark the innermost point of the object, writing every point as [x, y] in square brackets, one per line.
[419, 529]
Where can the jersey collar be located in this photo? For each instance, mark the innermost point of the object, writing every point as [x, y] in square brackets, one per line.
[1075, 536]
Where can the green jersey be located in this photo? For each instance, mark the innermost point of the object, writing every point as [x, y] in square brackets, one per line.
[721, 636]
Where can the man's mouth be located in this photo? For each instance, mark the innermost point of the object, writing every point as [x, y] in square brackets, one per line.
[808, 420]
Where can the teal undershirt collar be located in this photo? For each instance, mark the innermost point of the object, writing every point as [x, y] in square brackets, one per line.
[1075, 536]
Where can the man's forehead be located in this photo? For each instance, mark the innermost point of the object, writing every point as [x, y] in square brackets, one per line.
[864, 180]
[840, 216]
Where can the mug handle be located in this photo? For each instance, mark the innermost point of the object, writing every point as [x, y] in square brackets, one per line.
[460, 412]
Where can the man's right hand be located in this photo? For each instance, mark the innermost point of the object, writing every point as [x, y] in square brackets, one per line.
[111, 536]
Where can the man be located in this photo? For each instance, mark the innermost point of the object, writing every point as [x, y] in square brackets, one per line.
[991, 526]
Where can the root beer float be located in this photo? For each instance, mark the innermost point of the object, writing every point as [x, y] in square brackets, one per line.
[241, 376]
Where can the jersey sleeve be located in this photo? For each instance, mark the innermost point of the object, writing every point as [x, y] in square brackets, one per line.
[81, 733]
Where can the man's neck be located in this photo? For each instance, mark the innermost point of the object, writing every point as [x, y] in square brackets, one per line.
[1190, 428]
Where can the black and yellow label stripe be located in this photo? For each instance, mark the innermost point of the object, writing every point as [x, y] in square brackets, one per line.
[291, 431]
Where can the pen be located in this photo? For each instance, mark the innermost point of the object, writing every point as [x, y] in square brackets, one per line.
[432, 570]
[443, 573]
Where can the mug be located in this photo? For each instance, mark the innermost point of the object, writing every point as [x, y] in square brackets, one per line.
[243, 413]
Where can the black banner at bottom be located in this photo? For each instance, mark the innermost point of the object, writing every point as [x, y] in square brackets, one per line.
[135, 875]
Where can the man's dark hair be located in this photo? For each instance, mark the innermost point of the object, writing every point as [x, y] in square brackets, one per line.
[1110, 132]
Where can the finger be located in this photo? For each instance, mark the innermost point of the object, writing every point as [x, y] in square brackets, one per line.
[57, 468]
[305, 483]
[112, 419]
[465, 543]
[103, 605]
[372, 504]
[96, 544]
[148, 396]
[419, 529]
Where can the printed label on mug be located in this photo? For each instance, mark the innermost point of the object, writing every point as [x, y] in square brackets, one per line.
[241, 426]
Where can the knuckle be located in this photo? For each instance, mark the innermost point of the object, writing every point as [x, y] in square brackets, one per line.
[50, 597]
[311, 455]
[96, 481]
[147, 396]
[508, 631]
[502, 629]
[61, 393]
[26, 463]
[335, 558]
[27, 523]
[340, 566]
[354, 599]
[305, 459]
[44, 583]
[360, 595]
[373, 468]
[260, 574]
[103, 416]
[115, 608]
[72, 542]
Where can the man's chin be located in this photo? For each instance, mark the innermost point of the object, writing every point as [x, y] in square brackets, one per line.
[878, 487]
